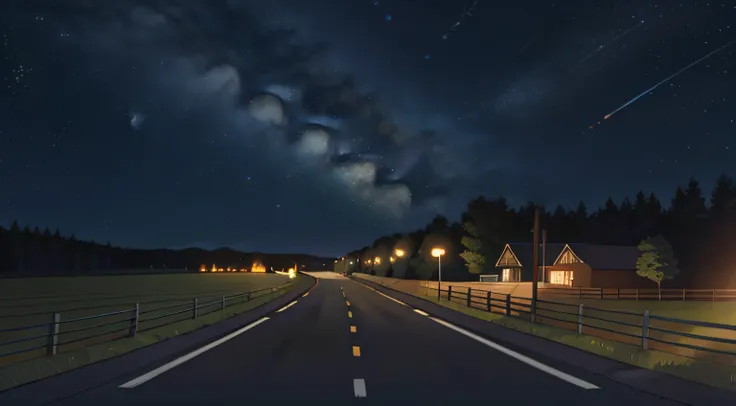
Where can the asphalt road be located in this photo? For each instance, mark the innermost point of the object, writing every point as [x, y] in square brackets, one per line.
[343, 341]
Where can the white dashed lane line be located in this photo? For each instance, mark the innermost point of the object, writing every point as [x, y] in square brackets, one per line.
[286, 307]
[359, 388]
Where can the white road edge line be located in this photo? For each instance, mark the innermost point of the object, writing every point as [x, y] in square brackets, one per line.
[520, 357]
[387, 296]
[160, 370]
[286, 307]
[359, 388]
[423, 313]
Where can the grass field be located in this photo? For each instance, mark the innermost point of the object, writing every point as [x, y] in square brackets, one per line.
[163, 299]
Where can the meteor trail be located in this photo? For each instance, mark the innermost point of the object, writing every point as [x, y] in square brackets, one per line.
[607, 116]
[616, 38]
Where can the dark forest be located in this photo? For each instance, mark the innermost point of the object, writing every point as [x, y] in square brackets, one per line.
[32, 252]
[700, 228]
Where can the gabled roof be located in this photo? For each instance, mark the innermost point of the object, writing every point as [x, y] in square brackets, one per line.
[524, 253]
[604, 257]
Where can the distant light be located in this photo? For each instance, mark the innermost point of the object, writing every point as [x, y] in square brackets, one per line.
[399, 253]
[377, 260]
[438, 252]
[389, 17]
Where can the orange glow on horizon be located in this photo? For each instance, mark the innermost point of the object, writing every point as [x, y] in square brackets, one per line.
[258, 267]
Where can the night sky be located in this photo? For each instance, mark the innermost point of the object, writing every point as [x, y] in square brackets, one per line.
[155, 123]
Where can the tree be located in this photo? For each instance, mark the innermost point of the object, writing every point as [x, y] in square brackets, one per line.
[474, 260]
[723, 195]
[656, 261]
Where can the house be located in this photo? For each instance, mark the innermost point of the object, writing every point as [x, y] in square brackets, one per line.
[574, 265]
[515, 262]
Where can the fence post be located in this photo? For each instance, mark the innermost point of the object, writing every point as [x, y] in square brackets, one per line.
[581, 292]
[247, 296]
[618, 293]
[449, 293]
[134, 321]
[488, 301]
[470, 290]
[637, 293]
[601, 293]
[644, 330]
[683, 294]
[580, 319]
[222, 307]
[508, 304]
[53, 341]
[714, 295]
[194, 308]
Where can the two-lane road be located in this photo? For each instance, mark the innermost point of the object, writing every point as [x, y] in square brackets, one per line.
[345, 343]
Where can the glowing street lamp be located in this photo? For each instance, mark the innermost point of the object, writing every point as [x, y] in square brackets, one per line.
[377, 260]
[438, 252]
[399, 253]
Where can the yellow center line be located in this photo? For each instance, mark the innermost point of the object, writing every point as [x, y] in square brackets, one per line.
[353, 329]
[347, 303]
[356, 351]
[350, 314]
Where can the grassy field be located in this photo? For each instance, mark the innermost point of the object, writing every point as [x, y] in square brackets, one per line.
[44, 367]
[162, 299]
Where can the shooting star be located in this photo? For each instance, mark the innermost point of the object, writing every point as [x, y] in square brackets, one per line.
[609, 115]
[616, 38]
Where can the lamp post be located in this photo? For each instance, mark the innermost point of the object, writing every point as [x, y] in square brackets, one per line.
[438, 253]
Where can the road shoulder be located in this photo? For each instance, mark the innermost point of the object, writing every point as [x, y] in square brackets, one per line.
[78, 380]
[653, 382]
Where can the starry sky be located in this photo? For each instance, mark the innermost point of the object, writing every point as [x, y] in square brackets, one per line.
[317, 126]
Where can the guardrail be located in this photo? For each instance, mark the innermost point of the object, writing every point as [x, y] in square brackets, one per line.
[709, 295]
[81, 331]
[643, 329]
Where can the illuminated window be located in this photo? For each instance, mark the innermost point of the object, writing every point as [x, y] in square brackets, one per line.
[568, 258]
[560, 277]
[506, 275]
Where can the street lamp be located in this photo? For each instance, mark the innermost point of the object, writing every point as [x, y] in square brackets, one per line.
[438, 252]
[399, 253]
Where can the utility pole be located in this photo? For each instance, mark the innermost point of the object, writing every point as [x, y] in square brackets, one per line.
[544, 256]
[535, 261]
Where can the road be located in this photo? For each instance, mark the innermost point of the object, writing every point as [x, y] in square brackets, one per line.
[344, 343]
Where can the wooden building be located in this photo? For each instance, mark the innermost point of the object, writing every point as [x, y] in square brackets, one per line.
[574, 265]
[515, 262]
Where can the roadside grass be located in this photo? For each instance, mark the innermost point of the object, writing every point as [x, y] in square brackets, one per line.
[699, 366]
[33, 301]
[44, 367]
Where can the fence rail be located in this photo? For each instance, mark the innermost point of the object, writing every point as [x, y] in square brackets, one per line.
[705, 295]
[28, 341]
[684, 337]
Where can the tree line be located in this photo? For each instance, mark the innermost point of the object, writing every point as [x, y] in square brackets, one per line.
[33, 252]
[700, 230]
